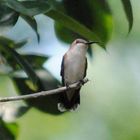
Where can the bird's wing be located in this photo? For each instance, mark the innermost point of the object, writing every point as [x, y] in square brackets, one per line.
[62, 71]
[85, 68]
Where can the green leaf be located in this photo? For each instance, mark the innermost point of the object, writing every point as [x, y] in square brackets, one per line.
[6, 41]
[96, 15]
[129, 13]
[48, 104]
[32, 22]
[35, 60]
[72, 24]
[20, 44]
[13, 128]
[90, 19]
[29, 8]
[8, 131]
[11, 43]
[64, 33]
[7, 16]
[15, 57]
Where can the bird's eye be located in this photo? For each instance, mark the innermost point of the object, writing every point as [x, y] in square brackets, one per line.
[77, 41]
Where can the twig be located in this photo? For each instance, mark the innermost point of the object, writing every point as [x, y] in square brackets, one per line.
[44, 93]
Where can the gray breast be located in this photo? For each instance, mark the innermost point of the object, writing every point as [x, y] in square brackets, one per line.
[75, 68]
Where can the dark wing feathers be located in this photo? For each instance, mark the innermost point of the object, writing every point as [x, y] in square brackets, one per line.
[62, 71]
[85, 68]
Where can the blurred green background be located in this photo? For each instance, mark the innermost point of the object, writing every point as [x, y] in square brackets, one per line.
[110, 101]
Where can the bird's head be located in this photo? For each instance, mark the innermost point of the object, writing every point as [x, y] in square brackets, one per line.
[83, 42]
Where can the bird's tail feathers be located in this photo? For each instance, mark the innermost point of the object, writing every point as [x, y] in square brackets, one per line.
[69, 105]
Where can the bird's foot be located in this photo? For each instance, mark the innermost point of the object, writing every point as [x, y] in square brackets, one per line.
[67, 86]
[81, 82]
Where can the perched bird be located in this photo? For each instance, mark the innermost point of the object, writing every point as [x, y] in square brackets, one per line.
[73, 69]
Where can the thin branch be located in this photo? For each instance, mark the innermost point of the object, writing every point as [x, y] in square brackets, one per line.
[44, 93]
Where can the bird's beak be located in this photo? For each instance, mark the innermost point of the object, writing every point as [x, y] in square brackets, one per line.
[91, 42]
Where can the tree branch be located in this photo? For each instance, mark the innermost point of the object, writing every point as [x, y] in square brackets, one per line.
[44, 93]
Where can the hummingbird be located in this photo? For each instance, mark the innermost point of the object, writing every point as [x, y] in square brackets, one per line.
[73, 69]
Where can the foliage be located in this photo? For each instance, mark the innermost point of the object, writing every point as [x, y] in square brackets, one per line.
[8, 131]
[89, 19]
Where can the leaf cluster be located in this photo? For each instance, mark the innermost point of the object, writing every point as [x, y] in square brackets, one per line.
[89, 19]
